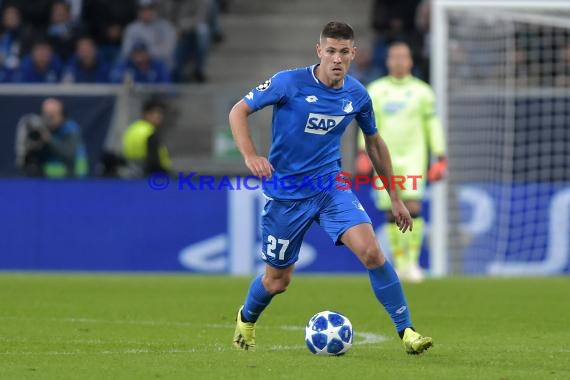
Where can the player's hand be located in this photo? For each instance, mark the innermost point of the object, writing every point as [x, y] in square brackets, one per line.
[259, 166]
[402, 216]
[438, 170]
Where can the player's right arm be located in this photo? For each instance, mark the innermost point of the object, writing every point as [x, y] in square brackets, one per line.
[271, 92]
[257, 164]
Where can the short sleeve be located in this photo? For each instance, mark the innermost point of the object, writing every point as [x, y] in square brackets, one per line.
[365, 117]
[272, 91]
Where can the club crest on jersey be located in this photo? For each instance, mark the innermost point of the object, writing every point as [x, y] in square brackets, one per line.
[322, 124]
[358, 205]
[347, 106]
[394, 107]
[264, 86]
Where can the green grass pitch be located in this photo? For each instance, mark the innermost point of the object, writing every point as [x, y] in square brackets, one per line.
[55, 326]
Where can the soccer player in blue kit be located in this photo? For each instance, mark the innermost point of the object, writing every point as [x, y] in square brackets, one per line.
[312, 107]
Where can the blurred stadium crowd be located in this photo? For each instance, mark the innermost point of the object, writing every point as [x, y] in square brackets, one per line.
[107, 41]
[147, 42]
[159, 41]
[395, 21]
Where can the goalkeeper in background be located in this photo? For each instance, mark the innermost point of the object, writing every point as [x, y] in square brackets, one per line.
[405, 116]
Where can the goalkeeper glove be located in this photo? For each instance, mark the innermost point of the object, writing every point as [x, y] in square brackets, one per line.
[363, 163]
[438, 170]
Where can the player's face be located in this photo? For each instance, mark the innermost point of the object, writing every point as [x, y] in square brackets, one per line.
[399, 61]
[52, 112]
[147, 14]
[59, 13]
[86, 51]
[42, 55]
[155, 117]
[336, 56]
[140, 58]
[11, 18]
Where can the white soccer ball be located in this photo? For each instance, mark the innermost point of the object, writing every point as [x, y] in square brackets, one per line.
[328, 333]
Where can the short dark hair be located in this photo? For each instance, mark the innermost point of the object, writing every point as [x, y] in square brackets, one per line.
[65, 4]
[399, 43]
[84, 37]
[338, 30]
[152, 105]
[41, 41]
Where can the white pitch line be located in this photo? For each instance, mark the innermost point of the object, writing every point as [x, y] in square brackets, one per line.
[365, 337]
[105, 321]
[121, 352]
[369, 337]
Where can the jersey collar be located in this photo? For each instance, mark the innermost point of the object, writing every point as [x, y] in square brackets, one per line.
[403, 80]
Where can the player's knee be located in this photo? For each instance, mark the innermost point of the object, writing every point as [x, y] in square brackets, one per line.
[372, 256]
[276, 285]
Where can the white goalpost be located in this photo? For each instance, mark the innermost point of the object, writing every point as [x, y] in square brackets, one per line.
[501, 73]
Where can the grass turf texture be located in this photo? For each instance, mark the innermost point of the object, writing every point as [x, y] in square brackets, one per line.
[180, 327]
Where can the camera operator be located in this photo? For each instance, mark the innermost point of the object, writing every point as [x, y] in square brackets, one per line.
[51, 145]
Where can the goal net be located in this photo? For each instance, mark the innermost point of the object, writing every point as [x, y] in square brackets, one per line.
[502, 76]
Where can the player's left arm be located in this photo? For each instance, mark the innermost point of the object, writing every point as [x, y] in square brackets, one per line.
[380, 156]
[363, 163]
[435, 137]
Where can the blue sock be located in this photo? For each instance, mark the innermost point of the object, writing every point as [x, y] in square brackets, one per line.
[388, 291]
[256, 301]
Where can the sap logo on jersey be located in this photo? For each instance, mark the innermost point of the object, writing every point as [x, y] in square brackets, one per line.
[322, 124]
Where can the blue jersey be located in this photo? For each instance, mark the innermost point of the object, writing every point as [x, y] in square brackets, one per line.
[156, 73]
[77, 73]
[28, 72]
[309, 119]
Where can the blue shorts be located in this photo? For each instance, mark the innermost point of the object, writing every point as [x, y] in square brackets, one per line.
[285, 222]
